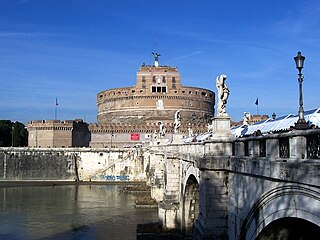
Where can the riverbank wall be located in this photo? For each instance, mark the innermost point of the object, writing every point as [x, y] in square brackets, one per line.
[72, 164]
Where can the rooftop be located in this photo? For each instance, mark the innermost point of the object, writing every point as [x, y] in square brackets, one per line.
[283, 123]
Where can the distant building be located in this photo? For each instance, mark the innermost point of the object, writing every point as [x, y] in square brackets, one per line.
[130, 115]
[56, 133]
[277, 124]
[251, 119]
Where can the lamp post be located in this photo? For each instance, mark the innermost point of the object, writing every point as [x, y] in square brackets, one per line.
[12, 129]
[301, 123]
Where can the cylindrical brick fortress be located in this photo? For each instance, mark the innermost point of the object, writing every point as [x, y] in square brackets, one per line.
[158, 94]
[128, 116]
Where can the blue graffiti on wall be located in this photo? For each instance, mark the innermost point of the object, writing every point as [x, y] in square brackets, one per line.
[119, 177]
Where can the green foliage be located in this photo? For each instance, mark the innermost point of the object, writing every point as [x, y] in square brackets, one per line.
[13, 133]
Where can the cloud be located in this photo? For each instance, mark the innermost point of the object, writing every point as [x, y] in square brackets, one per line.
[185, 56]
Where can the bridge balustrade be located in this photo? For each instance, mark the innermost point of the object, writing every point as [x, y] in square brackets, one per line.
[313, 146]
[298, 145]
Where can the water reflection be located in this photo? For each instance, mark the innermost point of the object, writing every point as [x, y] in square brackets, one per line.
[70, 212]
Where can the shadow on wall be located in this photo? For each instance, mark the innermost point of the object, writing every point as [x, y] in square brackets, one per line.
[280, 206]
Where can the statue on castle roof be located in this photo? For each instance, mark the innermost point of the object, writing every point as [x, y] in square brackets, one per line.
[223, 94]
[156, 57]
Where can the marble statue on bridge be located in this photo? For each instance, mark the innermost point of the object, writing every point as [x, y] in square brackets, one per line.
[190, 131]
[162, 129]
[223, 94]
[177, 122]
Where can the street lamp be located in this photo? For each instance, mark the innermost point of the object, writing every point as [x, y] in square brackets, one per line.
[12, 129]
[301, 123]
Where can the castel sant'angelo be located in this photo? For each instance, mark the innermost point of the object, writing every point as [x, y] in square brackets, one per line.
[132, 115]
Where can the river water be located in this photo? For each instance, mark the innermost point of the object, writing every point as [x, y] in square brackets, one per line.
[70, 212]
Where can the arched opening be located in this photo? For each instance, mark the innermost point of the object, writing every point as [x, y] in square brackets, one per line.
[190, 205]
[290, 228]
[283, 209]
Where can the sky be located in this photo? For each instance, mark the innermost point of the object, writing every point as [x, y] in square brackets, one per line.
[73, 49]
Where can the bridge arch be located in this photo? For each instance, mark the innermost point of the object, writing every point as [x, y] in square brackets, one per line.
[280, 205]
[290, 228]
[190, 204]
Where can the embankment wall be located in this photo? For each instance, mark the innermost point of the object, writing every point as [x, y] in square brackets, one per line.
[71, 164]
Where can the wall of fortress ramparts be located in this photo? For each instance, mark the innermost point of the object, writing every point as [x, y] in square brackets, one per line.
[71, 164]
[139, 110]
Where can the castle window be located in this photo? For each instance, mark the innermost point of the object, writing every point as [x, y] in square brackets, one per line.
[158, 89]
[133, 91]
[173, 79]
[143, 81]
[164, 79]
[153, 89]
[203, 94]
[154, 79]
[174, 86]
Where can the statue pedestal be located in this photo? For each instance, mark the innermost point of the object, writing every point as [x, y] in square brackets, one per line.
[221, 127]
[177, 138]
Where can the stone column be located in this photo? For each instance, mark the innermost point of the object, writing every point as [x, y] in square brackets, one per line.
[156, 175]
[272, 149]
[169, 207]
[239, 151]
[212, 222]
[298, 147]
[253, 148]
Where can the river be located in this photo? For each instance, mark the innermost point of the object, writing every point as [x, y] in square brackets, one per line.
[70, 212]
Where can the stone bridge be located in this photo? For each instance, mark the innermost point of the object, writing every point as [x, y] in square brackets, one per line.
[258, 187]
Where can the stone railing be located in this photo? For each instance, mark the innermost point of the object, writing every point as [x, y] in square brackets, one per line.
[294, 145]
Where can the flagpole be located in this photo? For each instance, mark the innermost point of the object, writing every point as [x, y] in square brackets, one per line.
[55, 112]
[257, 103]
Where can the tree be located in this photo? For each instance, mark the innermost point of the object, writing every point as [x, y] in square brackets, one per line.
[20, 135]
[13, 134]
